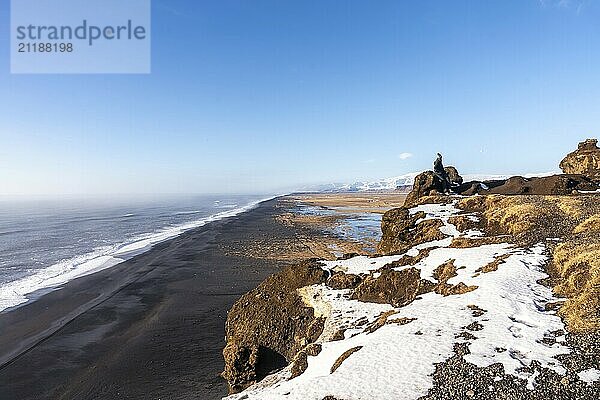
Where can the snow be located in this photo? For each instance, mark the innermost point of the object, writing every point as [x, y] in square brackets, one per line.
[589, 191]
[365, 186]
[408, 179]
[359, 264]
[589, 375]
[397, 361]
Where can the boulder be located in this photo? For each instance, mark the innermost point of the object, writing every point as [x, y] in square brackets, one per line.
[340, 280]
[268, 326]
[397, 288]
[453, 176]
[426, 184]
[583, 161]
[400, 230]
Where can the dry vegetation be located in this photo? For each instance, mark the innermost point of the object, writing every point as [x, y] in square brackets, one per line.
[577, 263]
[355, 202]
[571, 221]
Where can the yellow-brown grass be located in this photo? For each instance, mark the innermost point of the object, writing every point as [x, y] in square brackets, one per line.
[575, 221]
[578, 267]
[462, 242]
[493, 266]
[590, 225]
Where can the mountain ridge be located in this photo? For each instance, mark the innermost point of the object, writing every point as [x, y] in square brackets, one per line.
[405, 182]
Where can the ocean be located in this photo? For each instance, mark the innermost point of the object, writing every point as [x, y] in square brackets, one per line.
[46, 243]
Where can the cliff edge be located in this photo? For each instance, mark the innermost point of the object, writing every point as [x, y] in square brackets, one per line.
[481, 296]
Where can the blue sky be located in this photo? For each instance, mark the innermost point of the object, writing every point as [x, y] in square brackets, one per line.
[260, 96]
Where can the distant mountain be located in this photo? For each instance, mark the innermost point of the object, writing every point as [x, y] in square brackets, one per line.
[405, 182]
[393, 183]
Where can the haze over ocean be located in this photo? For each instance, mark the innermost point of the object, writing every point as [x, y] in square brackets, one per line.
[46, 243]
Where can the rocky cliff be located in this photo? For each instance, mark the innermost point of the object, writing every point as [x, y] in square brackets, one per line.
[486, 296]
[268, 326]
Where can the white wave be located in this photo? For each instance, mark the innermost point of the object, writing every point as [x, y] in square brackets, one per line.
[188, 212]
[228, 206]
[18, 292]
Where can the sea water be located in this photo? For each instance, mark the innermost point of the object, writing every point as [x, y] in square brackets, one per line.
[45, 243]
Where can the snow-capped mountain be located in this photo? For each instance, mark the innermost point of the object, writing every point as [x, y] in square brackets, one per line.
[393, 183]
[406, 181]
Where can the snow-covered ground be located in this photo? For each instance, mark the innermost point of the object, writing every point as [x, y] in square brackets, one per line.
[398, 360]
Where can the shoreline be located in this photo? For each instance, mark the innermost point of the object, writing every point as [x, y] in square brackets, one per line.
[152, 324]
[95, 261]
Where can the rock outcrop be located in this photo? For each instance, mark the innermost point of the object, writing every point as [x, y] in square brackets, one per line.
[517, 185]
[268, 326]
[453, 175]
[428, 184]
[583, 161]
[339, 280]
[582, 173]
[397, 288]
[274, 326]
[400, 230]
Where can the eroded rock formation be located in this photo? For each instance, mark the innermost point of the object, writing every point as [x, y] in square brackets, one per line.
[400, 230]
[397, 288]
[428, 183]
[583, 161]
[268, 326]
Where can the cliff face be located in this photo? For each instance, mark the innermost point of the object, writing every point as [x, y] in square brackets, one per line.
[268, 326]
[475, 297]
[472, 296]
[584, 161]
[401, 230]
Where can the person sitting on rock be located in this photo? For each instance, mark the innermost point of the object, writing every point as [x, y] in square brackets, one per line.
[440, 172]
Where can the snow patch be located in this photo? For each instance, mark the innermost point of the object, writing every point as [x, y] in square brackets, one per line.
[398, 359]
[589, 375]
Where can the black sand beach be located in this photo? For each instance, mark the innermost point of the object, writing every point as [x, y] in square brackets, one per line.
[149, 328]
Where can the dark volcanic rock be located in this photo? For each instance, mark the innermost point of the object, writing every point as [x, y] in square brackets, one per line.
[583, 161]
[400, 231]
[456, 378]
[269, 325]
[340, 280]
[397, 288]
[517, 185]
[426, 184]
[453, 176]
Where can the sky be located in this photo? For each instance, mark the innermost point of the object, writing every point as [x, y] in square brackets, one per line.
[270, 95]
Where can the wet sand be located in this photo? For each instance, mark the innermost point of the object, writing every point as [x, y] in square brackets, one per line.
[153, 326]
[149, 328]
[374, 202]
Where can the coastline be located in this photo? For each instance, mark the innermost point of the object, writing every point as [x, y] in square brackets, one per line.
[154, 323]
[52, 277]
